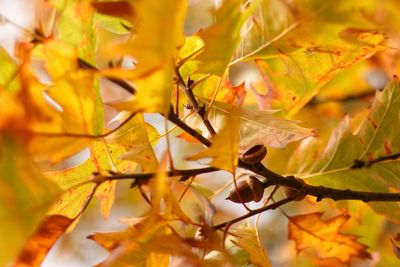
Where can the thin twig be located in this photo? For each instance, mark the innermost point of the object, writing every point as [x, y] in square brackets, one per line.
[254, 212]
[360, 163]
[201, 111]
[140, 178]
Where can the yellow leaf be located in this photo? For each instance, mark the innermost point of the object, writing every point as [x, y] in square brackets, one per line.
[325, 238]
[246, 238]
[159, 185]
[25, 196]
[154, 48]
[137, 137]
[103, 157]
[221, 38]
[225, 147]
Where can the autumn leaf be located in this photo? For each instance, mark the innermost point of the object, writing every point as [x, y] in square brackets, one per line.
[225, 147]
[395, 245]
[127, 248]
[83, 107]
[48, 125]
[305, 49]
[325, 238]
[154, 53]
[122, 9]
[74, 26]
[247, 239]
[25, 197]
[374, 137]
[222, 37]
[137, 137]
[76, 181]
[8, 76]
[39, 244]
[256, 127]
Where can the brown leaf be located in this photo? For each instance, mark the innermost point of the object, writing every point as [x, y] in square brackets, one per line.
[37, 247]
[396, 245]
[324, 236]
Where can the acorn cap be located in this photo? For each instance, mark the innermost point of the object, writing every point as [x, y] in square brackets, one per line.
[248, 190]
[254, 155]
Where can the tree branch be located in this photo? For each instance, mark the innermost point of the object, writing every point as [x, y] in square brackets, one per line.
[172, 117]
[320, 192]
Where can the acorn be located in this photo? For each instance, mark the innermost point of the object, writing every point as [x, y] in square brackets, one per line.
[254, 155]
[250, 189]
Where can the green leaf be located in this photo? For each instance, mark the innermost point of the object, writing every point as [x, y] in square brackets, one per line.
[113, 24]
[25, 197]
[9, 70]
[375, 137]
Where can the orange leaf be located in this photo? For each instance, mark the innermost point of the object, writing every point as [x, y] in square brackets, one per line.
[187, 137]
[37, 247]
[310, 231]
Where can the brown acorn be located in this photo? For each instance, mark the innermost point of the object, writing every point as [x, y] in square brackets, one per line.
[254, 155]
[251, 189]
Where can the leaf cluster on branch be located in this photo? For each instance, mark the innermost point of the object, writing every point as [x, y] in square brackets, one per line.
[297, 102]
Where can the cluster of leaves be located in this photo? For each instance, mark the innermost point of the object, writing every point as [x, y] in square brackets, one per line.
[315, 62]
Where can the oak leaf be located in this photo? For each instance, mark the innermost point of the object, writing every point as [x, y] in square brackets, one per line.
[225, 147]
[40, 243]
[154, 47]
[221, 38]
[374, 137]
[77, 181]
[25, 197]
[325, 238]
[247, 239]
[256, 127]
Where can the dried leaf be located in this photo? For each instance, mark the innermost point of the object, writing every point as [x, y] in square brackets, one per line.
[325, 238]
